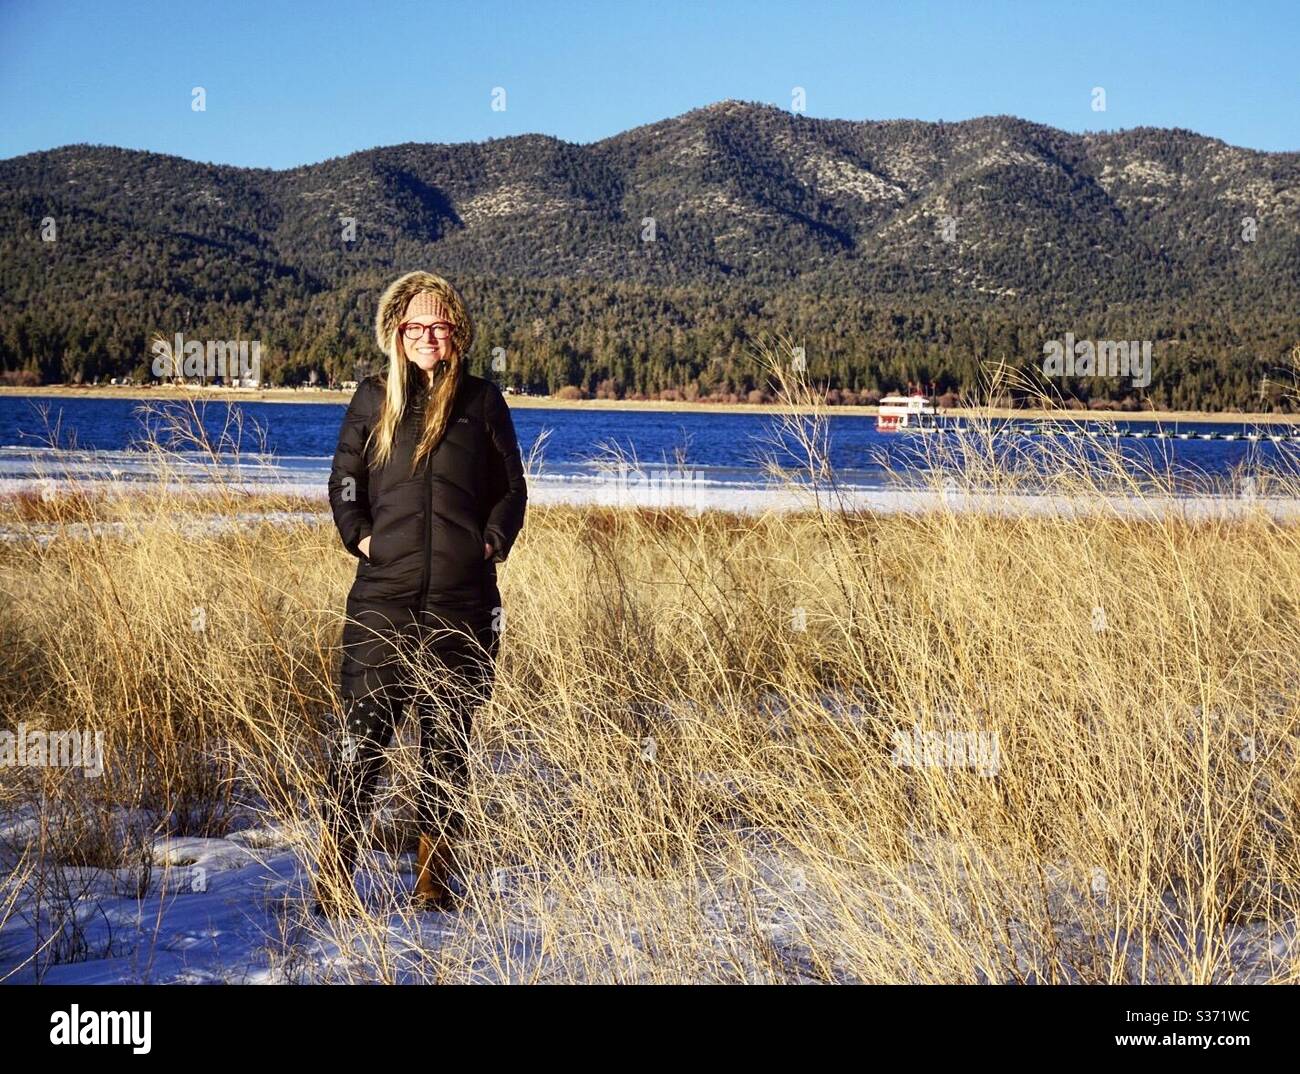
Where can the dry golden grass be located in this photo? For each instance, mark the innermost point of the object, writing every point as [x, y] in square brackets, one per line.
[127, 503]
[690, 768]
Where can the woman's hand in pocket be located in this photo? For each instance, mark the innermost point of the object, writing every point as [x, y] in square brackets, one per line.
[487, 550]
[363, 546]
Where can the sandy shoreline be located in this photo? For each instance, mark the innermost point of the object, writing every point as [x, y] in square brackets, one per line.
[323, 395]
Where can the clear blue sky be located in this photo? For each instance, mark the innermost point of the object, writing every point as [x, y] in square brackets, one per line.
[294, 83]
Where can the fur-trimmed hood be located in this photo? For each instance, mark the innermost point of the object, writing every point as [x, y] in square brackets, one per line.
[397, 296]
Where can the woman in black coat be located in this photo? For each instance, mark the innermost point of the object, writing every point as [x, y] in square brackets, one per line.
[427, 490]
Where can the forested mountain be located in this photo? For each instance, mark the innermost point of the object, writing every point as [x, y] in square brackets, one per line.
[658, 259]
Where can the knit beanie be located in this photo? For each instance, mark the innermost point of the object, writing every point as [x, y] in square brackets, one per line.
[425, 303]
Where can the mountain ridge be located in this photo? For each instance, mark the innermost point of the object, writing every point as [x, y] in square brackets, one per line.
[993, 218]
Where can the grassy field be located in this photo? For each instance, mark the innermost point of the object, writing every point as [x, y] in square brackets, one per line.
[814, 746]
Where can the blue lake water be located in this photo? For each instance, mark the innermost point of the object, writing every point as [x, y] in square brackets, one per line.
[104, 436]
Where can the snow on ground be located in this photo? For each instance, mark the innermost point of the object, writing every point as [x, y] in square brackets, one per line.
[232, 910]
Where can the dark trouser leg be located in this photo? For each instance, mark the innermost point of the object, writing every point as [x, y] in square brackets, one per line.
[444, 747]
[462, 673]
[372, 701]
[355, 765]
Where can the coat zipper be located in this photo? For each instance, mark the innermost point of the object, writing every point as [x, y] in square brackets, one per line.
[428, 533]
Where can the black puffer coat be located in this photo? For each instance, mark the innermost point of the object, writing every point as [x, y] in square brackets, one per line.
[427, 532]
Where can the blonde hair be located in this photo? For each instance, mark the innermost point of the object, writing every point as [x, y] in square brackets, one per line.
[446, 376]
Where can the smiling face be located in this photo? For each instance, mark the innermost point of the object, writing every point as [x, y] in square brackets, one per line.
[427, 349]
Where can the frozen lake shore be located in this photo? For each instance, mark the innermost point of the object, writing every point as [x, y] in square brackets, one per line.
[693, 497]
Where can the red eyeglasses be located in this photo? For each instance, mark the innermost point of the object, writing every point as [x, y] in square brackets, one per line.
[412, 330]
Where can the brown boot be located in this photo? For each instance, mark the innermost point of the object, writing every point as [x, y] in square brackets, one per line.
[432, 872]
